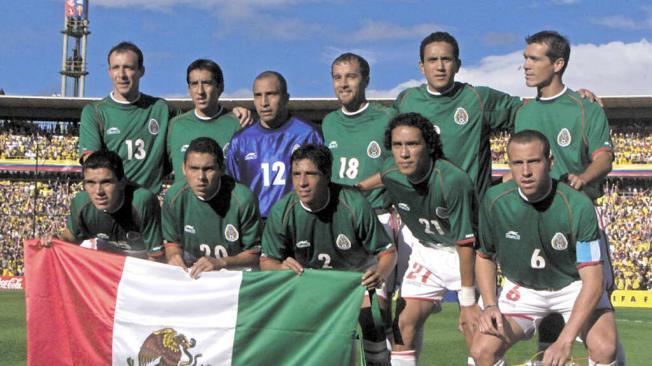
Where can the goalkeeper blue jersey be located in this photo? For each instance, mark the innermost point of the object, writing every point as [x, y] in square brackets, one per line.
[260, 158]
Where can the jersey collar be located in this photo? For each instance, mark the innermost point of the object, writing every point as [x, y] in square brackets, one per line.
[124, 102]
[219, 111]
[438, 94]
[554, 96]
[359, 111]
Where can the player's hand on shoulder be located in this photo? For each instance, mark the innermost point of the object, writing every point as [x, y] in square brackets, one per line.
[291, 263]
[372, 279]
[588, 95]
[243, 115]
[491, 321]
[575, 181]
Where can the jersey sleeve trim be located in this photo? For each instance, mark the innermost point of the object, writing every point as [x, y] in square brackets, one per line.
[387, 251]
[601, 150]
[483, 255]
[465, 242]
[169, 244]
[586, 264]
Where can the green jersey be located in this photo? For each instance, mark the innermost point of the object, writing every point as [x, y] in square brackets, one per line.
[440, 210]
[576, 129]
[225, 225]
[136, 225]
[188, 126]
[464, 118]
[136, 131]
[536, 243]
[343, 235]
[356, 142]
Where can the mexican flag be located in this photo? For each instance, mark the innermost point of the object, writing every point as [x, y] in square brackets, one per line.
[86, 307]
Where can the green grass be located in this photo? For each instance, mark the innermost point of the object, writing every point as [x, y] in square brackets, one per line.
[443, 344]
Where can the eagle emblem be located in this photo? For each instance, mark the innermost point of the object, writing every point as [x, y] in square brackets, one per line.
[559, 242]
[163, 348]
[342, 242]
[461, 116]
[564, 137]
[153, 127]
[231, 233]
[373, 150]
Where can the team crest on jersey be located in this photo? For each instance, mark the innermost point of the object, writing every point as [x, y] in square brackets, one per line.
[564, 138]
[231, 233]
[189, 229]
[403, 206]
[373, 150]
[133, 235]
[559, 242]
[296, 146]
[342, 242]
[441, 212]
[512, 235]
[153, 127]
[251, 156]
[303, 244]
[437, 129]
[461, 116]
[113, 131]
[166, 347]
[332, 145]
[184, 148]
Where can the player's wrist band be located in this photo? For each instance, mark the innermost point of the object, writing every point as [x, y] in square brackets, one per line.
[490, 306]
[467, 296]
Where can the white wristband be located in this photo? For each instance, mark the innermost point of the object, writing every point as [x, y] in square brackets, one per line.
[466, 296]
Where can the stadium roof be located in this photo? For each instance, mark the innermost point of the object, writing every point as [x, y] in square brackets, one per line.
[69, 109]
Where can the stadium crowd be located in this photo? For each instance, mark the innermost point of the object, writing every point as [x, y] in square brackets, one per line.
[23, 140]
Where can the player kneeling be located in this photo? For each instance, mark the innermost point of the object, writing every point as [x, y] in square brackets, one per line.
[328, 226]
[544, 235]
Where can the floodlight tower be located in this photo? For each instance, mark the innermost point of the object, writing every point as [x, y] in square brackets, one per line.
[75, 32]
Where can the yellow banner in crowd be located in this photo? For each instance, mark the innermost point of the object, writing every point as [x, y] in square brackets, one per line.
[631, 299]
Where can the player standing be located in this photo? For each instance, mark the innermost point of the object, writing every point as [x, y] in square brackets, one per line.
[436, 200]
[259, 155]
[210, 222]
[326, 225]
[545, 237]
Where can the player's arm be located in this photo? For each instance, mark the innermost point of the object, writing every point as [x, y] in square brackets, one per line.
[272, 264]
[376, 275]
[588, 95]
[592, 288]
[63, 234]
[491, 319]
[247, 258]
[89, 131]
[597, 170]
[174, 255]
[372, 182]
[151, 227]
[275, 255]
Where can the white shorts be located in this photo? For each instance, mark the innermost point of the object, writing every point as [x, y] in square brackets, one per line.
[528, 307]
[432, 272]
[403, 239]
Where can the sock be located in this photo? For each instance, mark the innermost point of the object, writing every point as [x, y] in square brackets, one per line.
[404, 358]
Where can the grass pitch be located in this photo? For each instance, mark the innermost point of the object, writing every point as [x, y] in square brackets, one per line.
[443, 344]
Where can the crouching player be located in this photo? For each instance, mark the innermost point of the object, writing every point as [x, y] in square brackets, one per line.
[325, 225]
[210, 222]
[544, 234]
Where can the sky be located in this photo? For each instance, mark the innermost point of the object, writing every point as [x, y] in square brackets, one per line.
[611, 42]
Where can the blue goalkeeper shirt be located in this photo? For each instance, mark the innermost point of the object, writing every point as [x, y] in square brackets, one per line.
[260, 158]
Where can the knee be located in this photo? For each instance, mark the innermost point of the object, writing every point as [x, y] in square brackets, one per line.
[603, 350]
[482, 353]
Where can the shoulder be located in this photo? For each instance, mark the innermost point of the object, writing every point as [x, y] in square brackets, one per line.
[241, 192]
[304, 125]
[175, 192]
[332, 117]
[573, 197]
[410, 92]
[284, 208]
[142, 195]
[451, 172]
[499, 192]
[187, 116]
[389, 166]
[379, 109]
[80, 199]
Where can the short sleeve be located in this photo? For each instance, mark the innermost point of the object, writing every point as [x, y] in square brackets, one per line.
[89, 129]
[275, 239]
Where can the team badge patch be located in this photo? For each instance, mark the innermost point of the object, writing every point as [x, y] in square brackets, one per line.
[342, 242]
[332, 145]
[559, 242]
[303, 244]
[441, 212]
[373, 150]
[404, 206]
[231, 233]
[437, 129]
[168, 346]
[461, 116]
[153, 127]
[564, 138]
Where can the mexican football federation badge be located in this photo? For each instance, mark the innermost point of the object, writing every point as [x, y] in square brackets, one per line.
[153, 127]
[559, 242]
[564, 137]
[342, 242]
[461, 116]
[373, 150]
[231, 233]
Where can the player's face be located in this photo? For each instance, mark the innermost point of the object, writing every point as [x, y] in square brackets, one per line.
[125, 75]
[202, 174]
[439, 65]
[103, 188]
[530, 168]
[310, 184]
[349, 85]
[270, 102]
[410, 152]
[538, 67]
[204, 91]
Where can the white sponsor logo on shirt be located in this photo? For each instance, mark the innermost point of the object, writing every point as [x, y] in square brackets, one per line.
[189, 229]
[404, 206]
[564, 137]
[437, 129]
[231, 233]
[296, 146]
[559, 242]
[512, 235]
[113, 131]
[251, 156]
[332, 145]
[303, 244]
[342, 242]
[184, 148]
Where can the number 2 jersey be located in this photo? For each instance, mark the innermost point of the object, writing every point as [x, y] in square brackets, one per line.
[135, 131]
[224, 225]
[539, 245]
[260, 158]
[346, 234]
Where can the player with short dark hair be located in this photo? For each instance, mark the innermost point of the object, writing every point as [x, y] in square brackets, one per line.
[112, 215]
[544, 235]
[207, 119]
[325, 225]
[259, 155]
[436, 200]
[210, 222]
[128, 122]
